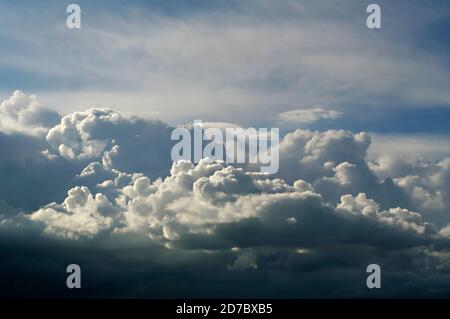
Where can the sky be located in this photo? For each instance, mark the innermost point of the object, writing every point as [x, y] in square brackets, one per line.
[223, 60]
[86, 174]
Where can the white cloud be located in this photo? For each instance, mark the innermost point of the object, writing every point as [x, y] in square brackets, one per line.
[106, 135]
[75, 136]
[394, 216]
[394, 155]
[212, 199]
[310, 155]
[309, 116]
[80, 214]
[118, 150]
[22, 113]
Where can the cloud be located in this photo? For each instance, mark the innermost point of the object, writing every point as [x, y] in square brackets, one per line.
[78, 215]
[230, 207]
[394, 155]
[22, 113]
[161, 59]
[98, 182]
[308, 116]
[429, 188]
[98, 187]
[41, 153]
[107, 135]
[310, 155]
[196, 215]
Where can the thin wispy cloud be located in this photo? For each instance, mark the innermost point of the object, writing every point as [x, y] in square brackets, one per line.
[309, 116]
[249, 57]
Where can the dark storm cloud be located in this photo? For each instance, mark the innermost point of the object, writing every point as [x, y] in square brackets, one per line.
[146, 271]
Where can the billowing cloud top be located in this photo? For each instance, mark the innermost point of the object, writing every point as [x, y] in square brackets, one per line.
[23, 113]
[102, 186]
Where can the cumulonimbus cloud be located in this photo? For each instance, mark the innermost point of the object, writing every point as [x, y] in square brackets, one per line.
[120, 183]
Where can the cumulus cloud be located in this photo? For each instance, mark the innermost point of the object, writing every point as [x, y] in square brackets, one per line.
[128, 144]
[428, 187]
[105, 183]
[215, 205]
[310, 155]
[22, 113]
[80, 214]
[244, 221]
[43, 154]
